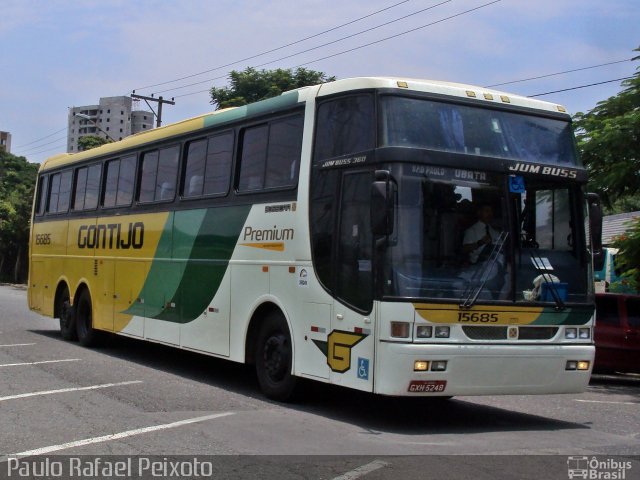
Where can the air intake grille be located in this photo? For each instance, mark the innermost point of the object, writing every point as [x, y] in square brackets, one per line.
[485, 333]
[482, 332]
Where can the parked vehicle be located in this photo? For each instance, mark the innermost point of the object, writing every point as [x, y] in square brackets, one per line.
[617, 333]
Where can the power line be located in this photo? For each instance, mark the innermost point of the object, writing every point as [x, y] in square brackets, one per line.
[43, 138]
[370, 43]
[44, 144]
[45, 150]
[579, 86]
[316, 47]
[558, 73]
[275, 49]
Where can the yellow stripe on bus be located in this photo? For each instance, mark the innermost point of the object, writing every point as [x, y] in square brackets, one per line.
[478, 314]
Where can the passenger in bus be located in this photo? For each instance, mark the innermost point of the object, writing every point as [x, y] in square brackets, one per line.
[479, 237]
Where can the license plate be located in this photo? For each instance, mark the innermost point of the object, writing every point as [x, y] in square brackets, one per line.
[427, 386]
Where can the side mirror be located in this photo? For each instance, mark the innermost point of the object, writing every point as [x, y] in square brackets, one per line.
[382, 204]
[595, 225]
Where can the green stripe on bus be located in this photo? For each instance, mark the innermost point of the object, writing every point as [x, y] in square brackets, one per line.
[180, 288]
[570, 316]
[265, 106]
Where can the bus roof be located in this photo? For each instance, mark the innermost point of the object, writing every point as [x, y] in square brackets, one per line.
[293, 97]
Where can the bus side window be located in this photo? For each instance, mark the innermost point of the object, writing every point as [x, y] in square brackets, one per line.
[253, 158]
[54, 192]
[126, 177]
[159, 174]
[218, 165]
[283, 155]
[111, 184]
[194, 168]
[80, 188]
[344, 126]
[167, 173]
[148, 174]
[93, 187]
[43, 190]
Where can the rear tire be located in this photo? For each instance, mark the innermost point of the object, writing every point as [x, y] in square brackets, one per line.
[87, 335]
[66, 315]
[274, 358]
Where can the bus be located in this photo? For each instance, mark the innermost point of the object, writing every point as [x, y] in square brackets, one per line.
[396, 236]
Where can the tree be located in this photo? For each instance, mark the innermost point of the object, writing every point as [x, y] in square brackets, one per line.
[628, 258]
[252, 85]
[17, 182]
[88, 142]
[609, 142]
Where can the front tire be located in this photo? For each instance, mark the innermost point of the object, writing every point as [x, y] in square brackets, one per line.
[274, 358]
[87, 335]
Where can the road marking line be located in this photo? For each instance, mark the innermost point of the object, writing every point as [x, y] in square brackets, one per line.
[18, 345]
[65, 390]
[115, 436]
[362, 470]
[39, 362]
[607, 401]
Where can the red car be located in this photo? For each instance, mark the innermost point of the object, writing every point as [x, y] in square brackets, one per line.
[617, 333]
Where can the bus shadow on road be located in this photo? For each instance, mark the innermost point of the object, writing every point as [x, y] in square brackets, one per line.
[376, 414]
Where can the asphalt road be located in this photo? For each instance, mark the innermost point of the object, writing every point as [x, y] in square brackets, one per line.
[135, 398]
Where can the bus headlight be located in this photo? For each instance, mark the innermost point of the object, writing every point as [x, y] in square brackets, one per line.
[584, 333]
[577, 365]
[420, 366]
[424, 331]
[583, 365]
[570, 333]
[442, 332]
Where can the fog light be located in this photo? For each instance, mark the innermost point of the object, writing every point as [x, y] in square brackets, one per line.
[584, 333]
[583, 365]
[420, 366]
[400, 329]
[442, 332]
[571, 365]
[438, 365]
[424, 331]
[570, 333]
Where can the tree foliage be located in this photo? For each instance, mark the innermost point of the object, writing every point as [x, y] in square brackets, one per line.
[87, 142]
[609, 142]
[628, 258]
[17, 181]
[251, 85]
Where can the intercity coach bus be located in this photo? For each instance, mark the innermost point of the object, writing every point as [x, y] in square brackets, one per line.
[397, 236]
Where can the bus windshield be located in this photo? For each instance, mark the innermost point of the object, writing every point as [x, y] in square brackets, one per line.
[462, 235]
[414, 122]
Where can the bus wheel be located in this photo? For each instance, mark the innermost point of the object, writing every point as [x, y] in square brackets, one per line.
[274, 358]
[87, 336]
[67, 316]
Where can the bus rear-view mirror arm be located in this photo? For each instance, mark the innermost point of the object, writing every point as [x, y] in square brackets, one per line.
[382, 203]
[595, 226]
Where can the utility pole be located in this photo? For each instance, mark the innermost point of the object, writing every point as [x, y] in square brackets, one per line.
[158, 100]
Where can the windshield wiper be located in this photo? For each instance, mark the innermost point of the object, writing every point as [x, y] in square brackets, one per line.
[472, 294]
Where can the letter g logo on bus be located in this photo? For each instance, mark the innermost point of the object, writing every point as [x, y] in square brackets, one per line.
[338, 347]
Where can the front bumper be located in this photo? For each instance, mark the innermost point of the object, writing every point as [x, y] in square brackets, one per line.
[483, 369]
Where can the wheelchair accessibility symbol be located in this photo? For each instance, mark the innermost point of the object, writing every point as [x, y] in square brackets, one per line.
[363, 368]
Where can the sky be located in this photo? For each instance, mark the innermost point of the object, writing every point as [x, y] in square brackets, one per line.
[62, 53]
